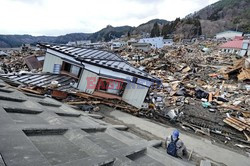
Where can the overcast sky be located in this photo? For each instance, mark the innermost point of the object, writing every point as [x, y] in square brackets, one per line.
[58, 17]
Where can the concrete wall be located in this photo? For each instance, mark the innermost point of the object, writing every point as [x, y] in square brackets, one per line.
[88, 81]
[49, 62]
[134, 94]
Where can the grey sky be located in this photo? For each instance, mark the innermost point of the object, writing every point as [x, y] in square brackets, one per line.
[57, 17]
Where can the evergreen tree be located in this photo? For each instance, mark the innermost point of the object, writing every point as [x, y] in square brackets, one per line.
[169, 28]
[129, 35]
[155, 32]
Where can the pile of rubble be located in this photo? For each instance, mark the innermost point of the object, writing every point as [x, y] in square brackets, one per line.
[20, 60]
[206, 92]
[202, 90]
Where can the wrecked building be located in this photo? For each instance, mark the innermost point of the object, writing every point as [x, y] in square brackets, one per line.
[100, 73]
[141, 46]
[237, 46]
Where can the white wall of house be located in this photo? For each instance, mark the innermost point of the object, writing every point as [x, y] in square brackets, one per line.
[228, 34]
[50, 61]
[134, 94]
[84, 84]
[156, 42]
[168, 42]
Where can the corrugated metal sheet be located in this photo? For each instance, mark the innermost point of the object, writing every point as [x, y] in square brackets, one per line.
[49, 62]
[134, 94]
[83, 83]
[42, 80]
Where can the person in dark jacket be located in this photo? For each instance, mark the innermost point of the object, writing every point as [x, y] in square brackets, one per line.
[175, 146]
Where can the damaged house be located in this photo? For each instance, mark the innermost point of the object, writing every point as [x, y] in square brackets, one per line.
[99, 73]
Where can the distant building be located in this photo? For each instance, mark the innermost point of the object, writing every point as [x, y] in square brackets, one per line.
[141, 46]
[117, 44]
[245, 50]
[95, 45]
[237, 46]
[187, 41]
[79, 43]
[247, 36]
[168, 42]
[3, 54]
[131, 41]
[228, 34]
[156, 42]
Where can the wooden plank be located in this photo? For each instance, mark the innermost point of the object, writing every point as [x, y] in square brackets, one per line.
[32, 91]
[231, 107]
[237, 124]
[210, 97]
[246, 114]
[83, 102]
[242, 123]
[248, 138]
[232, 124]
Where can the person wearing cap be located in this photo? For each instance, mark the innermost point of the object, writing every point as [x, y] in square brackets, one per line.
[175, 147]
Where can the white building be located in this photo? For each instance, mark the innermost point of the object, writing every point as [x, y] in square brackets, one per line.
[3, 54]
[228, 34]
[168, 42]
[117, 44]
[239, 47]
[157, 42]
[79, 43]
[100, 73]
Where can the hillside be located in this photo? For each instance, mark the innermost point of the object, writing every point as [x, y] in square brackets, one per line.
[18, 40]
[225, 15]
[106, 34]
[220, 16]
[147, 27]
[110, 32]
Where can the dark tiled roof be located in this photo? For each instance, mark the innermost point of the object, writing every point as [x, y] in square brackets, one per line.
[101, 58]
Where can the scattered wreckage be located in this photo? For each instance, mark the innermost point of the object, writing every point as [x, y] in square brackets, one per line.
[203, 91]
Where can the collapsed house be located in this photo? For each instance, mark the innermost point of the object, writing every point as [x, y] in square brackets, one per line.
[237, 46]
[100, 73]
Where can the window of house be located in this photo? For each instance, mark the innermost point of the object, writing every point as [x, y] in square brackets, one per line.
[115, 87]
[75, 70]
[104, 85]
[56, 68]
[72, 69]
[67, 67]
